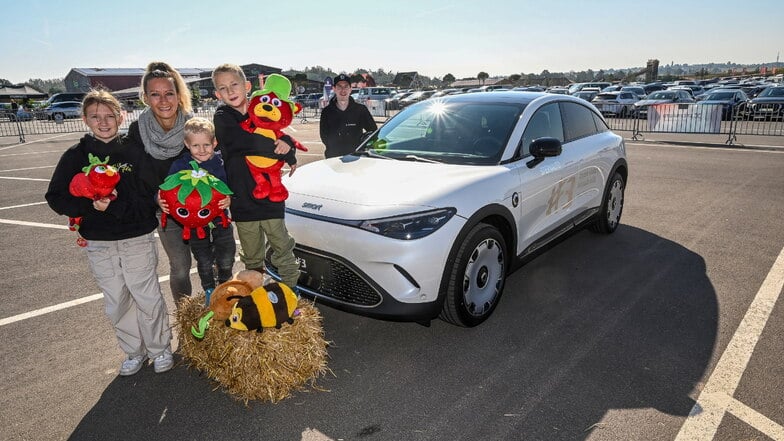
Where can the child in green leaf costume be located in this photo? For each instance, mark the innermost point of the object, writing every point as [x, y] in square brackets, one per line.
[196, 196]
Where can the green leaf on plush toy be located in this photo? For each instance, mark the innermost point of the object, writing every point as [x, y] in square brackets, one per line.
[220, 186]
[196, 179]
[94, 160]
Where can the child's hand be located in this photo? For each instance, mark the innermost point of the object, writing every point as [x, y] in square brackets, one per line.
[281, 147]
[162, 203]
[224, 203]
[101, 204]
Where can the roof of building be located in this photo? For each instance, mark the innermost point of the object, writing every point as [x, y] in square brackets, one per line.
[20, 91]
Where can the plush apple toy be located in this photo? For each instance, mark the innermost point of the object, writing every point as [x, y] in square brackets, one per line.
[193, 197]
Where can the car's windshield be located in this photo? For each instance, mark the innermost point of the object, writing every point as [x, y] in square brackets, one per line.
[448, 132]
[720, 96]
[772, 91]
[662, 95]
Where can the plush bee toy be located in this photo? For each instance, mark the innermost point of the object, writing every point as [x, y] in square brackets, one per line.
[268, 306]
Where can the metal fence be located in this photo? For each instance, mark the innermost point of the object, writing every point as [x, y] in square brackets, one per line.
[697, 118]
[692, 118]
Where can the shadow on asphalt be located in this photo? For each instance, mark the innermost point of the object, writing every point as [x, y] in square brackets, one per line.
[597, 323]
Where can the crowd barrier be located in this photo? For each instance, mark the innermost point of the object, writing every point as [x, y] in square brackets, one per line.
[691, 118]
[698, 118]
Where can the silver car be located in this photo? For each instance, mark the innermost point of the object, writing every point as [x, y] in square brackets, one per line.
[63, 110]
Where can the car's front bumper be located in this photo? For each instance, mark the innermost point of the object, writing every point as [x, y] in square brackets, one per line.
[369, 274]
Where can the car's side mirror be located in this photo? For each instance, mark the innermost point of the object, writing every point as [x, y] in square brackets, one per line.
[541, 148]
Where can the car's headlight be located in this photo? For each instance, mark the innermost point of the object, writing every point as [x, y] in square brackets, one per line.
[410, 226]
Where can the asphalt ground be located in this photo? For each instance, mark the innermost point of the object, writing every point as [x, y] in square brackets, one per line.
[601, 338]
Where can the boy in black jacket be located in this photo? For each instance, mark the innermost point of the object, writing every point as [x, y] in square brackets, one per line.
[257, 220]
[121, 249]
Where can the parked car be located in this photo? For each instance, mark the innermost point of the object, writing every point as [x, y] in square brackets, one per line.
[653, 87]
[393, 102]
[62, 97]
[6, 112]
[576, 87]
[588, 94]
[733, 102]
[433, 211]
[64, 109]
[768, 105]
[444, 92]
[309, 100]
[615, 103]
[416, 97]
[22, 114]
[661, 97]
[529, 89]
[637, 90]
[374, 93]
[558, 90]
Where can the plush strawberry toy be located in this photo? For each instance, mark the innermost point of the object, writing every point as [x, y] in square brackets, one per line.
[97, 182]
[193, 197]
[269, 112]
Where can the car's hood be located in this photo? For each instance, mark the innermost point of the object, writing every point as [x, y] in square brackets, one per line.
[764, 99]
[651, 102]
[715, 102]
[361, 187]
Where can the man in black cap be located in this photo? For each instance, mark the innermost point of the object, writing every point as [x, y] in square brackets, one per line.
[344, 121]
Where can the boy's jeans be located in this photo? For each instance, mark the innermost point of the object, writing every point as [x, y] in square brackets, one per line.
[217, 250]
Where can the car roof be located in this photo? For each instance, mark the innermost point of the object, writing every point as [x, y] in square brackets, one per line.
[515, 97]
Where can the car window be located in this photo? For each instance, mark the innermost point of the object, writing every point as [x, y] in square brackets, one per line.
[456, 133]
[578, 121]
[546, 122]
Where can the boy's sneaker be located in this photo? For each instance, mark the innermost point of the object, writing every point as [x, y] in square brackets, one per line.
[132, 365]
[163, 362]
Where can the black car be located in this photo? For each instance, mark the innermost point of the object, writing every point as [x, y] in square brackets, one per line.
[733, 102]
[768, 105]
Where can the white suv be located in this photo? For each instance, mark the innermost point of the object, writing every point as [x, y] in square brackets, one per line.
[433, 211]
[374, 93]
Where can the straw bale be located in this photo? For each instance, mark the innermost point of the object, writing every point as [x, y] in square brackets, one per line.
[249, 365]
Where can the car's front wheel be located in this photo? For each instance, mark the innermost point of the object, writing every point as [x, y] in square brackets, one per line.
[612, 206]
[476, 277]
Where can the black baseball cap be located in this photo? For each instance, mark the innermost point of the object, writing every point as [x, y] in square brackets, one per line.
[342, 77]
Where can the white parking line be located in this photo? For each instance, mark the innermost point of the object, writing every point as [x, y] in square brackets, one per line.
[28, 168]
[30, 153]
[716, 397]
[33, 142]
[23, 205]
[64, 305]
[24, 179]
[32, 224]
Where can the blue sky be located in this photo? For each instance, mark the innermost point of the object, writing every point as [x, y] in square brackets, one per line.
[46, 38]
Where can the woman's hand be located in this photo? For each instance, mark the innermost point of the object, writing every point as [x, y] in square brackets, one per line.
[162, 203]
[224, 203]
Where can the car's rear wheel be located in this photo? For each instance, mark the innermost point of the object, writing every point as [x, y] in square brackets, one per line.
[476, 277]
[612, 206]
